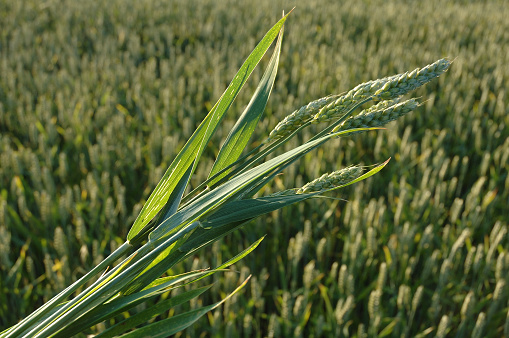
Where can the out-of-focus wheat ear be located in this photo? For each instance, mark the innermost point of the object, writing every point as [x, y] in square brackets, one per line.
[404, 83]
[332, 180]
[379, 115]
[299, 117]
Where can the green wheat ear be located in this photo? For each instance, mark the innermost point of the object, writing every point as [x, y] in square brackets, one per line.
[331, 180]
[387, 88]
[407, 82]
[379, 115]
[334, 107]
[299, 117]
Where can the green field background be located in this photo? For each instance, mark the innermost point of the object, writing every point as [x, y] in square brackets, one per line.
[96, 97]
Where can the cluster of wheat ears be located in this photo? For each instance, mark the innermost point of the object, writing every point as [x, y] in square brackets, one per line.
[172, 225]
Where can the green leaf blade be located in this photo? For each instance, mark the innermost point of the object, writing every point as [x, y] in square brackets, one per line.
[169, 326]
[228, 190]
[123, 303]
[245, 126]
[151, 312]
[194, 147]
[246, 209]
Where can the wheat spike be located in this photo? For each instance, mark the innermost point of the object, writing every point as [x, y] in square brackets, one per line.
[300, 116]
[335, 106]
[382, 89]
[378, 115]
[332, 180]
[407, 82]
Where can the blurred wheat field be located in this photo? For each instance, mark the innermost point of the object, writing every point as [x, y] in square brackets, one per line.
[96, 99]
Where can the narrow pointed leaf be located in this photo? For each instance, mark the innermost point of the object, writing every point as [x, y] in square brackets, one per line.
[152, 311]
[203, 237]
[169, 326]
[59, 320]
[233, 260]
[167, 281]
[245, 126]
[222, 193]
[245, 209]
[243, 181]
[213, 201]
[82, 304]
[47, 309]
[121, 304]
[169, 209]
[159, 263]
[181, 252]
[194, 147]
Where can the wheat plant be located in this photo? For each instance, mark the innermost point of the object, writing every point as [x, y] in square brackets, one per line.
[174, 223]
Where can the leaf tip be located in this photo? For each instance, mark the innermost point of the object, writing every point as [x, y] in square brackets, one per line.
[383, 164]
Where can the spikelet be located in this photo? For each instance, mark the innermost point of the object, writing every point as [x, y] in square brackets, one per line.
[332, 180]
[286, 306]
[343, 104]
[445, 271]
[374, 310]
[378, 115]
[371, 241]
[479, 258]
[302, 115]
[374, 303]
[501, 266]
[416, 300]
[257, 292]
[496, 238]
[467, 307]
[459, 243]
[333, 274]
[361, 331]
[498, 295]
[407, 82]
[60, 242]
